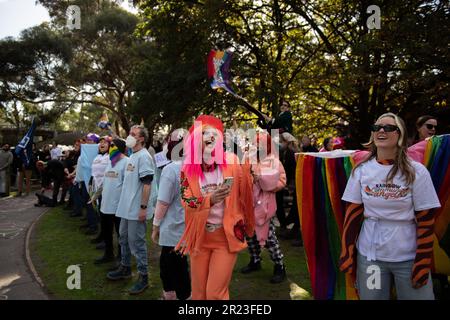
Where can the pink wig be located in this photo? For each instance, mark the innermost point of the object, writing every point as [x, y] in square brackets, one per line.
[193, 147]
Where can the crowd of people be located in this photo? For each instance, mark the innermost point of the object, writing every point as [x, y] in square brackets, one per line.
[215, 196]
[14, 173]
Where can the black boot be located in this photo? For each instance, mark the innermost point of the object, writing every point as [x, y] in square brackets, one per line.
[91, 231]
[74, 214]
[140, 285]
[118, 260]
[121, 273]
[107, 257]
[252, 266]
[97, 239]
[297, 242]
[100, 246]
[279, 273]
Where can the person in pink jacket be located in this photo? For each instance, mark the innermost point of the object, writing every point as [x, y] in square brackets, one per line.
[268, 177]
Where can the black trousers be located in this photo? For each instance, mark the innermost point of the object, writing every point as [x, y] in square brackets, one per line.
[108, 223]
[57, 183]
[293, 213]
[43, 200]
[66, 189]
[281, 214]
[174, 273]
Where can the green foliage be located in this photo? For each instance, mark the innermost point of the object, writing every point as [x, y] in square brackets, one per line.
[319, 55]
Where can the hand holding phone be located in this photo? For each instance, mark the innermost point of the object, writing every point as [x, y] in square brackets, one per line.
[228, 181]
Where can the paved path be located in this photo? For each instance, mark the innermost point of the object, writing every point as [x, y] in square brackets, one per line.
[16, 279]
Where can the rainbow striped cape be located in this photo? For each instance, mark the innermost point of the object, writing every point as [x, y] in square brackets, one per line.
[320, 183]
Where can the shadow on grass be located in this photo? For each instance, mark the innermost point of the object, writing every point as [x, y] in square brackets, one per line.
[58, 243]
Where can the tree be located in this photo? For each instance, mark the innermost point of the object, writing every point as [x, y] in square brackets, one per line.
[318, 54]
[94, 65]
[30, 71]
[107, 55]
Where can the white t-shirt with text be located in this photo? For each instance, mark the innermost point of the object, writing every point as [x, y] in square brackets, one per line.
[389, 229]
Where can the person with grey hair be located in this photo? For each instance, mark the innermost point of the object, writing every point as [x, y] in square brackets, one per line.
[134, 210]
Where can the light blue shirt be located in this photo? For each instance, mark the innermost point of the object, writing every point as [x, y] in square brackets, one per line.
[112, 186]
[172, 225]
[140, 164]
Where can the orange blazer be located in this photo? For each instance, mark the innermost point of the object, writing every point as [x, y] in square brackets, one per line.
[238, 208]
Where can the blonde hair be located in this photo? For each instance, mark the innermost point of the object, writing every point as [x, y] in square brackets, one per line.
[401, 161]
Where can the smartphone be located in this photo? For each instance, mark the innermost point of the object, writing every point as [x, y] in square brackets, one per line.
[228, 181]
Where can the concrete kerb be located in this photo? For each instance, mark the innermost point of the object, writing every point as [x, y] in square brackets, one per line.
[30, 264]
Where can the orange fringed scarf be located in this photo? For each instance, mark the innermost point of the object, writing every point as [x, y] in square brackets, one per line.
[238, 209]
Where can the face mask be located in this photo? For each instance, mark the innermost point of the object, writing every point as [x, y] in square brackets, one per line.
[131, 142]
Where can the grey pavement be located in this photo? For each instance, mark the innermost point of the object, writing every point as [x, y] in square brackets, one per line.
[16, 279]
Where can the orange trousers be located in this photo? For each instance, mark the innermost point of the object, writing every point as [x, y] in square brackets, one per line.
[212, 267]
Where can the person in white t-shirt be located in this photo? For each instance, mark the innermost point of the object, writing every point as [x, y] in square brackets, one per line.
[388, 227]
[55, 152]
[134, 211]
[110, 193]
[168, 225]
[98, 169]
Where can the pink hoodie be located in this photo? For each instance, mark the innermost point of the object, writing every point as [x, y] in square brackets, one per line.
[272, 178]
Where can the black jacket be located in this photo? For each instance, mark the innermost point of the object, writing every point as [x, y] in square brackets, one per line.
[282, 122]
[54, 171]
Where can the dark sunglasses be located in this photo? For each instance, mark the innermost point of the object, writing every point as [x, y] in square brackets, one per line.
[386, 128]
[430, 126]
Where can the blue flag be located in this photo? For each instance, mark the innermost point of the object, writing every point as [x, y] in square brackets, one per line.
[25, 147]
[87, 156]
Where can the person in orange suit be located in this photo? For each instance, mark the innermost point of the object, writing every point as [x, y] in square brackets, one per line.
[216, 193]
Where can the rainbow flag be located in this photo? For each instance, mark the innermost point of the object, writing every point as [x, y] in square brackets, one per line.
[219, 70]
[218, 67]
[320, 183]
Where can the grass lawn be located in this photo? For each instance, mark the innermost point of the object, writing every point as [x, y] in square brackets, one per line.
[58, 243]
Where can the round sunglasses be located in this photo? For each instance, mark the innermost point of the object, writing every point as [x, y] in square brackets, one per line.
[386, 128]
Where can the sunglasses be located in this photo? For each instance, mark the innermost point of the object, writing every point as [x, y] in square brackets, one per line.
[430, 126]
[386, 128]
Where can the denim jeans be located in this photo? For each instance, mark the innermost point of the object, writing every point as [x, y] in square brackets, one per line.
[374, 280]
[132, 241]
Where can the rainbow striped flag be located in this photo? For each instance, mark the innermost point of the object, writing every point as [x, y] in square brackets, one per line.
[320, 183]
[219, 70]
